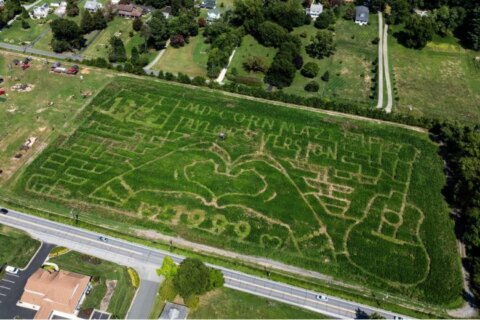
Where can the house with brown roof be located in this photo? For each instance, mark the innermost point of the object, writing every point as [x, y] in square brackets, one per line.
[129, 11]
[57, 293]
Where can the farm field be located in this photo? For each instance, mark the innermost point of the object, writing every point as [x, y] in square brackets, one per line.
[17, 247]
[354, 199]
[439, 81]
[349, 67]
[226, 303]
[47, 109]
[101, 271]
[249, 48]
[190, 59]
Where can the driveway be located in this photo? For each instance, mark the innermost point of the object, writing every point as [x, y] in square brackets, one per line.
[12, 285]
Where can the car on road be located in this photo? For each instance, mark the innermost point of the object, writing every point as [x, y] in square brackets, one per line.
[321, 297]
[103, 239]
[3, 211]
[11, 270]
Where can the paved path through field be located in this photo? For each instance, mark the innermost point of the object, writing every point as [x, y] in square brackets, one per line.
[388, 108]
[380, 62]
[223, 73]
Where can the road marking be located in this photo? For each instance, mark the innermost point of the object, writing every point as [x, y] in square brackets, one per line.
[295, 296]
[73, 235]
[5, 287]
[2, 294]
[12, 275]
[8, 280]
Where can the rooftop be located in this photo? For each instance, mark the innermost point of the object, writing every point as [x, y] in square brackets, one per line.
[173, 311]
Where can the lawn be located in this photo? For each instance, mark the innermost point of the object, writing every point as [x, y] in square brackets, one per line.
[355, 199]
[249, 48]
[190, 59]
[15, 34]
[47, 109]
[439, 81]
[349, 67]
[101, 271]
[17, 248]
[231, 304]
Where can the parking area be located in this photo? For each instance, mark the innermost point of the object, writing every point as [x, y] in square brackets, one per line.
[12, 285]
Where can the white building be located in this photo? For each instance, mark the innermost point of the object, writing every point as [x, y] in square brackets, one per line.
[315, 10]
[93, 5]
[61, 9]
[213, 15]
[40, 12]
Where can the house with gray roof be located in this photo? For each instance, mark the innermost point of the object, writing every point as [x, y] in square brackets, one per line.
[315, 10]
[361, 15]
[92, 5]
[173, 311]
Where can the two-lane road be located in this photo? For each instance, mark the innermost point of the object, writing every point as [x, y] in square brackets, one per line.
[145, 260]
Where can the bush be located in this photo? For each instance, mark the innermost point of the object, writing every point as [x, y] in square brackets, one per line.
[310, 70]
[168, 269]
[312, 86]
[191, 301]
[167, 291]
[255, 64]
[134, 278]
[326, 76]
[325, 20]
[199, 81]
[25, 24]
[177, 41]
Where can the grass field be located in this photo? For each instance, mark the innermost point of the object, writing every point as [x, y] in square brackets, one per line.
[230, 304]
[15, 34]
[47, 109]
[350, 66]
[101, 271]
[250, 47]
[17, 248]
[357, 200]
[439, 81]
[190, 59]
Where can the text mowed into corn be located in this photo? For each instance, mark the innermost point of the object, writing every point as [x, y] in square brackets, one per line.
[354, 199]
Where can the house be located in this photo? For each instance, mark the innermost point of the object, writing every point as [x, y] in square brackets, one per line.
[213, 15]
[167, 11]
[55, 295]
[129, 11]
[61, 9]
[2, 3]
[209, 4]
[361, 15]
[173, 311]
[315, 10]
[41, 12]
[421, 13]
[92, 6]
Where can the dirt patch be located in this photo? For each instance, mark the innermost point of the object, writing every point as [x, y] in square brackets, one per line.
[85, 71]
[111, 285]
[22, 87]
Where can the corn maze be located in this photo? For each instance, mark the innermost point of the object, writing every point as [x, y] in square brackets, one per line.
[357, 200]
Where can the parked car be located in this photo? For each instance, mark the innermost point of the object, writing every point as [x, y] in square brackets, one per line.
[3, 211]
[11, 270]
[321, 297]
[102, 238]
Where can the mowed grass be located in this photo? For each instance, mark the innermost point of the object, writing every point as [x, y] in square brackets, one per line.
[47, 109]
[439, 81]
[101, 271]
[349, 67]
[250, 48]
[17, 248]
[230, 304]
[354, 199]
[190, 59]
[15, 34]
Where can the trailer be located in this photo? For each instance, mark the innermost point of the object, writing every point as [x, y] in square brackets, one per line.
[57, 68]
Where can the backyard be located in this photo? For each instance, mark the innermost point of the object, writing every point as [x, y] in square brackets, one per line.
[439, 81]
[101, 272]
[366, 197]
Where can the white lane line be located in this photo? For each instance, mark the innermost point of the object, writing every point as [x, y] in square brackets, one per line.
[73, 236]
[7, 288]
[8, 280]
[13, 275]
[295, 296]
[2, 294]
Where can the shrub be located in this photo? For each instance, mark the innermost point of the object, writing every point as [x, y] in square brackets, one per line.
[134, 278]
[167, 291]
[191, 301]
[326, 76]
[25, 24]
[177, 41]
[312, 86]
[199, 81]
[310, 70]
[168, 269]
[255, 64]
[325, 19]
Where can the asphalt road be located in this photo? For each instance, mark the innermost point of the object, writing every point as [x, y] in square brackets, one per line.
[145, 259]
[12, 285]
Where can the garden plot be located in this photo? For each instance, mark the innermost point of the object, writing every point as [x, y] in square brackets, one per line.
[357, 200]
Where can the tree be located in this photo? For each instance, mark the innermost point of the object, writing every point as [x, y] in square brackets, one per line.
[288, 14]
[86, 22]
[376, 315]
[25, 24]
[25, 14]
[248, 13]
[217, 59]
[216, 279]
[400, 10]
[281, 72]
[134, 56]
[322, 45]
[255, 64]
[325, 19]
[271, 34]
[312, 86]
[448, 19]
[418, 31]
[326, 76]
[109, 11]
[67, 35]
[169, 268]
[158, 31]
[349, 12]
[137, 24]
[99, 20]
[192, 278]
[117, 50]
[310, 70]
[177, 41]
[473, 29]
[72, 8]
